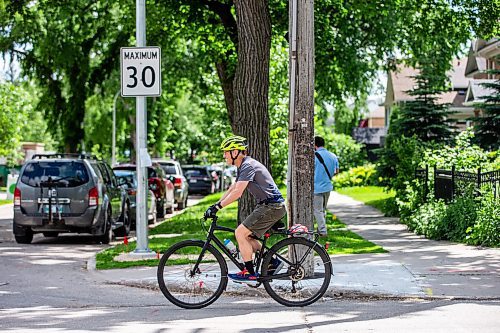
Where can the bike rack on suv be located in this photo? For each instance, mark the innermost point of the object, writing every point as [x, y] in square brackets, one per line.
[65, 155]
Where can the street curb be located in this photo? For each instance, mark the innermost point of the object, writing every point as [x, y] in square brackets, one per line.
[91, 264]
[331, 293]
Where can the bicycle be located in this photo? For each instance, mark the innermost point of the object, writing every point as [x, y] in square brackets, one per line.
[192, 274]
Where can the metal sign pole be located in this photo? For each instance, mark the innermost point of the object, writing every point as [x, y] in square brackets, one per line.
[141, 146]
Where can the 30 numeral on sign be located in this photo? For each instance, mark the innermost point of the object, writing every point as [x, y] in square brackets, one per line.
[145, 71]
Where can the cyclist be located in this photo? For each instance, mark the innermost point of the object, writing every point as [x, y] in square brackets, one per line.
[254, 176]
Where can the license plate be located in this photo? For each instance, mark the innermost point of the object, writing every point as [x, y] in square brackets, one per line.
[193, 181]
[54, 209]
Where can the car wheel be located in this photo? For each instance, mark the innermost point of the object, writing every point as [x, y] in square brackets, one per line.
[153, 214]
[170, 208]
[125, 229]
[26, 238]
[160, 209]
[50, 234]
[183, 204]
[108, 232]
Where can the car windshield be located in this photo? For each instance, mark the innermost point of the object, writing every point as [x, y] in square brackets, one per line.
[66, 174]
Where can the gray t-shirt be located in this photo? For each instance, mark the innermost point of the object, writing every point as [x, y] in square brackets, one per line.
[261, 184]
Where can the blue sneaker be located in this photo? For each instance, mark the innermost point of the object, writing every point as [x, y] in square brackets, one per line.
[244, 277]
[275, 266]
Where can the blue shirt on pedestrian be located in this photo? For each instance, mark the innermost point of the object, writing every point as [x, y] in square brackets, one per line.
[323, 183]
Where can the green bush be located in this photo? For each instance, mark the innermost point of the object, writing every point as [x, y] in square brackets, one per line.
[486, 229]
[428, 220]
[358, 176]
[463, 155]
[460, 216]
[390, 207]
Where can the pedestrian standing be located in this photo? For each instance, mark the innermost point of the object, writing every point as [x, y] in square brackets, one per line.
[326, 165]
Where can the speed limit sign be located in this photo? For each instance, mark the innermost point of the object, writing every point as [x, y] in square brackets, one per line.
[140, 71]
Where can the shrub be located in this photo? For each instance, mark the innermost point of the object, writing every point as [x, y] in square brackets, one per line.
[460, 216]
[428, 219]
[486, 229]
[464, 155]
[357, 176]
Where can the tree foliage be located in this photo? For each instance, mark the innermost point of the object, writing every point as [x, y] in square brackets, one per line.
[71, 48]
[19, 120]
[68, 47]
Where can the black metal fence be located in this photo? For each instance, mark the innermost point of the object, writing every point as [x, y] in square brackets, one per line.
[449, 184]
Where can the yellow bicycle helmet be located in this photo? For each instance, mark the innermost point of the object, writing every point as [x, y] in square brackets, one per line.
[234, 142]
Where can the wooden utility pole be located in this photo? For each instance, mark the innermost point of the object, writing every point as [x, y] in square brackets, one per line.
[301, 123]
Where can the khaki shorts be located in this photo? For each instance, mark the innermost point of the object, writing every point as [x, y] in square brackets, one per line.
[264, 217]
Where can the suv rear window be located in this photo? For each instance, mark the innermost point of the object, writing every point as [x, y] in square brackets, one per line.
[196, 172]
[169, 169]
[67, 174]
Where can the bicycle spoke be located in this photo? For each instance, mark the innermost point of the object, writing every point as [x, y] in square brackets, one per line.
[187, 287]
[299, 283]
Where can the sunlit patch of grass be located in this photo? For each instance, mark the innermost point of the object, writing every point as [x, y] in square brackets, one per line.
[375, 196]
[5, 201]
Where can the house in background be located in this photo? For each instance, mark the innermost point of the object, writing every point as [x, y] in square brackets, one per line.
[483, 56]
[401, 81]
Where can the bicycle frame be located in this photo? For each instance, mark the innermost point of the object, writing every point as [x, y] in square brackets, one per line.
[212, 238]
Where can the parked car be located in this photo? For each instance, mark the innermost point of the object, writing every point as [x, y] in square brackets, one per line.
[160, 184]
[173, 168]
[58, 193]
[199, 178]
[128, 179]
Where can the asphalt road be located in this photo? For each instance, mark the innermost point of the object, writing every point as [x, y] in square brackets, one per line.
[46, 287]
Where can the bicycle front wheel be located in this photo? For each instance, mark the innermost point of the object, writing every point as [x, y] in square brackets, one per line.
[182, 284]
[304, 276]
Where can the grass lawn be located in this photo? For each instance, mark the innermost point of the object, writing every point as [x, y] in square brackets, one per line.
[374, 196]
[187, 225]
[4, 202]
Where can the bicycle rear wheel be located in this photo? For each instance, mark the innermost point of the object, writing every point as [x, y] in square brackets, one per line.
[295, 284]
[187, 288]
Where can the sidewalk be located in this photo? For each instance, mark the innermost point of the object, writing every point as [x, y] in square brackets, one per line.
[414, 266]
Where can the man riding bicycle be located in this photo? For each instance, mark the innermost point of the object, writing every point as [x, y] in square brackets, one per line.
[254, 176]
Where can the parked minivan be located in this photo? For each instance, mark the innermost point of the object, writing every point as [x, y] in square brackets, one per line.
[58, 193]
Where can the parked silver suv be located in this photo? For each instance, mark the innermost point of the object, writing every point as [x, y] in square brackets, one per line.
[59, 193]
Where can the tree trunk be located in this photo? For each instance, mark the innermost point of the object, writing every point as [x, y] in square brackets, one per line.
[226, 80]
[301, 126]
[251, 85]
[75, 113]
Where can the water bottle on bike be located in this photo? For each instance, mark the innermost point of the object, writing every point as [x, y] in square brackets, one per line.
[233, 249]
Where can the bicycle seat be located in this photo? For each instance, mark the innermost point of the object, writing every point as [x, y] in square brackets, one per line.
[278, 226]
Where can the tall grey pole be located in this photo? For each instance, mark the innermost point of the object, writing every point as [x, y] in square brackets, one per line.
[113, 146]
[141, 147]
